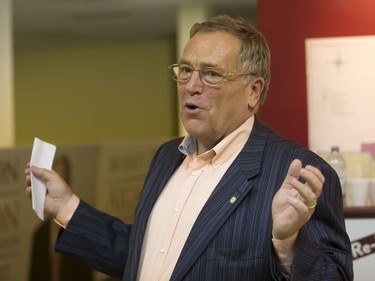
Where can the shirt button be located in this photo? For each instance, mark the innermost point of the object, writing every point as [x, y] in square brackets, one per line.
[162, 250]
[176, 210]
[194, 173]
[216, 162]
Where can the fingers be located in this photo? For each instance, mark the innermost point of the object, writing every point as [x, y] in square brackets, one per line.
[294, 169]
[27, 177]
[314, 179]
[309, 192]
[28, 191]
[300, 207]
[314, 175]
[306, 199]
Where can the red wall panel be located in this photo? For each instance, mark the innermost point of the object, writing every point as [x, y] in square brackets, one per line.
[286, 24]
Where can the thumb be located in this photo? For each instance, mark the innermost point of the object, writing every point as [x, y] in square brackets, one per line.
[42, 173]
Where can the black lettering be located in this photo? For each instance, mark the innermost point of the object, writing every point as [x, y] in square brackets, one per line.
[9, 216]
[8, 172]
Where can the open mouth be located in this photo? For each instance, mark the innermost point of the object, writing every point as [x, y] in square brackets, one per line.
[191, 106]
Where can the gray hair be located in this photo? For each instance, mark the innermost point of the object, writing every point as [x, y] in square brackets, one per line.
[254, 56]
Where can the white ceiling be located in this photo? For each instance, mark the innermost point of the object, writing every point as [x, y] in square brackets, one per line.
[38, 23]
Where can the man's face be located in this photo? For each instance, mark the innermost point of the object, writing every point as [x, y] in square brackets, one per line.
[211, 113]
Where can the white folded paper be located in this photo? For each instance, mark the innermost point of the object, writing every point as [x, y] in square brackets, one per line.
[41, 156]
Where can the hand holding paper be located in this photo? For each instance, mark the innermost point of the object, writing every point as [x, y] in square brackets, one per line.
[42, 156]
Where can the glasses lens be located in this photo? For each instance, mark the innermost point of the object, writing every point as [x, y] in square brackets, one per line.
[174, 71]
[183, 72]
[212, 76]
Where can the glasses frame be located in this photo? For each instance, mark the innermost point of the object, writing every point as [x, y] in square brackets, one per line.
[224, 75]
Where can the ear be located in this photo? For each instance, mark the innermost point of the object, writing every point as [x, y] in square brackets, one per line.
[255, 89]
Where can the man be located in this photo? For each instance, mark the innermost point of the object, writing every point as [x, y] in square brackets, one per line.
[233, 200]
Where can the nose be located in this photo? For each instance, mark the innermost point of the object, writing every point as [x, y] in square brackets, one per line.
[195, 84]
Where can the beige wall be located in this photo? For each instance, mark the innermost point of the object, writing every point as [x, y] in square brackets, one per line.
[95, 93]
[6, 75]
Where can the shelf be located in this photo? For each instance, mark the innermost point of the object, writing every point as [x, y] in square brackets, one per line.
[359, 212]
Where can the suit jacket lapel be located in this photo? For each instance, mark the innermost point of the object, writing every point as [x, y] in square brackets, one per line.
[228, 194]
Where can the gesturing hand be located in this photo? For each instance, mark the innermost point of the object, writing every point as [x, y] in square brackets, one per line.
[295, 202]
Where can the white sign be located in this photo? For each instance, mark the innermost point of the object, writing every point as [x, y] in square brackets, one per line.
[361, 233]
[340, 92]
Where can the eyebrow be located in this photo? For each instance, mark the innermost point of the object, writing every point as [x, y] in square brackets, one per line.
[202, 65]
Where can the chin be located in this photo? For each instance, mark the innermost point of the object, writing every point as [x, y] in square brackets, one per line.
[194, 132]
[192, 125]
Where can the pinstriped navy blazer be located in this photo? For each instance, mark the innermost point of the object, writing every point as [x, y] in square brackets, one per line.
[229, 240]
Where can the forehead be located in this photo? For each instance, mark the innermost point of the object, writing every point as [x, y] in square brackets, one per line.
[212, 48]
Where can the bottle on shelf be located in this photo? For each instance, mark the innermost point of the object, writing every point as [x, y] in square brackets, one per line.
[337, 162]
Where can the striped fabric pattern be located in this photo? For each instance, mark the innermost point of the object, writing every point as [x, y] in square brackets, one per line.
[231, 238]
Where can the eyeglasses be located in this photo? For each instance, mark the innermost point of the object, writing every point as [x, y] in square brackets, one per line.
[208, 75]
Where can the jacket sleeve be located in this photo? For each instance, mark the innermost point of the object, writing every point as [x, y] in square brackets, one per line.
[96, 238]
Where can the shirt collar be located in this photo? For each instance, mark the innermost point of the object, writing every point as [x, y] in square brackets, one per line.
[188, 145]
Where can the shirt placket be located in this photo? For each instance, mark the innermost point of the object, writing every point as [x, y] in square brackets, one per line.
[196, 168]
